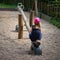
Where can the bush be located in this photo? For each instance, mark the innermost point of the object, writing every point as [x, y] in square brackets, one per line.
[55, 21]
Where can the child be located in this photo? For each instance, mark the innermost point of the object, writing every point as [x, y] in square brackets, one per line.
[35, 33]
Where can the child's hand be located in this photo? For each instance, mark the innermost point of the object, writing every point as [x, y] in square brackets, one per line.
[30, 30]
[37, 43]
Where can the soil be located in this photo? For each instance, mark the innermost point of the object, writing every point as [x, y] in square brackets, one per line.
[12, 48]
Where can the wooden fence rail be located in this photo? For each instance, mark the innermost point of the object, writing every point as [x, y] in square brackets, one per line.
[50, 9]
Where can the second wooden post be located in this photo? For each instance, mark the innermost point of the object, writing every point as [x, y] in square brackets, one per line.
[20, 24]
[31, 18]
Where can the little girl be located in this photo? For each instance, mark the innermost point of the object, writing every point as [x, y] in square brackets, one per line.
[35, 32]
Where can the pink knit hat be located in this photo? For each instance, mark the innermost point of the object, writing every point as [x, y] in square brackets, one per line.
[36, 20]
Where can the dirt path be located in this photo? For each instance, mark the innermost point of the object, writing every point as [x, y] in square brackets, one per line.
[13, 49]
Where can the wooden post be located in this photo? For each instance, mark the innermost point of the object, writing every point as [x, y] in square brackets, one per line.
[33, 7]
[20, 23]
[31, 18]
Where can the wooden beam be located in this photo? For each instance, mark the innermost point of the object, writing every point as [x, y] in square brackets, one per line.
[24, 17]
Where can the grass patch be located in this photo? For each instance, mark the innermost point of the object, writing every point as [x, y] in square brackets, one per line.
[7, 5]
[55, 21]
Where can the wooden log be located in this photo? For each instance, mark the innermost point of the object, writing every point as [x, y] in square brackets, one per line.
[20, 24]
[31, 18]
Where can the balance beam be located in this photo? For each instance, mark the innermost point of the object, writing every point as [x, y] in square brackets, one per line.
[24, 17]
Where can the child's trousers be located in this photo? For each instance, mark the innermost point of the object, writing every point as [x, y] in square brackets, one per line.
[35, 35]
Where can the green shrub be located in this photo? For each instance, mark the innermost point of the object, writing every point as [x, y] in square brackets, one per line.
[55, 21]
[7, 5]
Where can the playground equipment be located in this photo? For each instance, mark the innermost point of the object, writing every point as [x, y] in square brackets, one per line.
[37, 50]
[24, 17]
[16, 28]
[20, 26]
[20, 9]
[34, 7]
